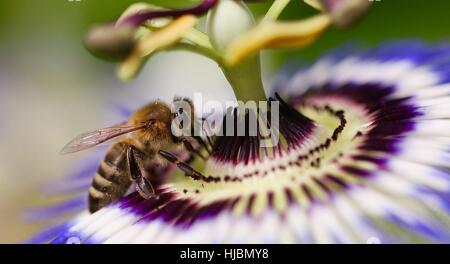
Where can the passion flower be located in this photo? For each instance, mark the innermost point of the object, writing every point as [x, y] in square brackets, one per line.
[363, 152]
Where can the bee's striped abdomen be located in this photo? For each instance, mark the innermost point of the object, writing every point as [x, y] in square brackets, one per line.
[111, 181]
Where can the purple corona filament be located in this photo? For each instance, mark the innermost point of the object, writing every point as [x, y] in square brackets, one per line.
[140, 18]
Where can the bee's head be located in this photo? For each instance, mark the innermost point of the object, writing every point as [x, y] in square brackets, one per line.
[158, 117]
[163, 123]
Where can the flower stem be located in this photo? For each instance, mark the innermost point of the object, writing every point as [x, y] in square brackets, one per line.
[226, 21]
[245, 79]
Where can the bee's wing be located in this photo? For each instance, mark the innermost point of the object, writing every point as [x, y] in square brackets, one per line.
[94, 138]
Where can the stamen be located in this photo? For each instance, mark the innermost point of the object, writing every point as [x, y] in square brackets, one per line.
[346, 12]
[272, 34]
[159, 39]
[109, 42]
[315, 4]
[276, 9]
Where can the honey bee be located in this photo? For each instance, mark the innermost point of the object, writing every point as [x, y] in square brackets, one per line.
[142, 142]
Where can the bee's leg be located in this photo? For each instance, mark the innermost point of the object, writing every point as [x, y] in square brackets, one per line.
[207, 132]
[191, 149]
[138, 173]
[208, 138]
[145, 188]
[181, 165]
[134, 170]
[202, 143]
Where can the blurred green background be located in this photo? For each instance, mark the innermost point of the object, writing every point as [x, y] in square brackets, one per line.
[51, 88]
